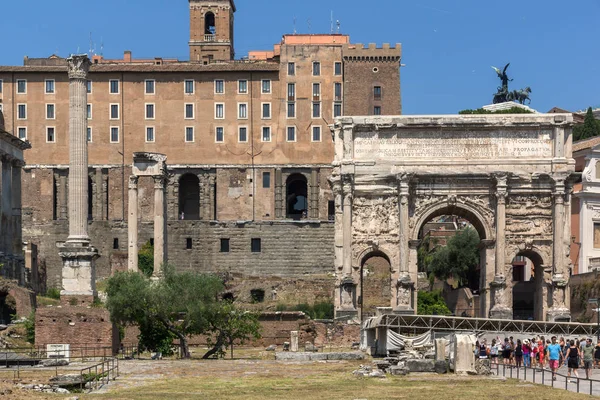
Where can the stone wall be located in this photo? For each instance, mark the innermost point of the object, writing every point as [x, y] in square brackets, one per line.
[583, 287]
[86, 330]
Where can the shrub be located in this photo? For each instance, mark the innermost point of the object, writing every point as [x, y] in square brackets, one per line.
[431, 303]
[30, 328]
[53, 293]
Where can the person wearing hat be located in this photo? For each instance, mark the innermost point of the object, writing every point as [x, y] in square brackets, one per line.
[526, 353]
[588, 357]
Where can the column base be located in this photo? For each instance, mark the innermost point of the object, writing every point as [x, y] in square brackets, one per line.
[501, 313]
[78, 272]
[558, 315]
[403, 311]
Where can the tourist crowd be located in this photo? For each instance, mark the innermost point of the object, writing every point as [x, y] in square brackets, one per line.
[540, 353]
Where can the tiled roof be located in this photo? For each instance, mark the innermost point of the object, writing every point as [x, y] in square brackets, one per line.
[174, 67]
[586, 144]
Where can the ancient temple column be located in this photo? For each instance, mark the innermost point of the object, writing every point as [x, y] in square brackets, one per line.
[500, 310]
[347, 224]
[346, 283]
[160, 227]
[78, 155]
[132, 225]
[78, 273]
[405, 285]
[339, 221]
[558, 310]
[7, 204]
[17, 244]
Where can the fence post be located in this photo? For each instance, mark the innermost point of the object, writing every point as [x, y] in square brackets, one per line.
[590, 387]
[577, 384]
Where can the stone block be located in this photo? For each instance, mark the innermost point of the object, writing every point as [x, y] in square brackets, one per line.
[441, 367]
[440, 349]
[399, 370]
[294, 341]
[464, 357]
[420, 365]
[54, 362]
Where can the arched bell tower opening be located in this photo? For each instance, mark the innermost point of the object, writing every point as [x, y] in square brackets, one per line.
[211, 30]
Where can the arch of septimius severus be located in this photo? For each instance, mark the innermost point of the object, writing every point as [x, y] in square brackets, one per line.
[510, 176]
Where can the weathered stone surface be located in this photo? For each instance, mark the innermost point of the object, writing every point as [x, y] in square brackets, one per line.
[304, 356]
[310, 347]
[464, 358]
[398, 370]
[377, 374]
[66, 380]
[420, 365]
[54, 362]
[483, 367]
[440, 349]
[441, 367]
[271, 348]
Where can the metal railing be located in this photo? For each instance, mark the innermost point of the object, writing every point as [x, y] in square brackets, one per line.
[540, 375]
[108, 368]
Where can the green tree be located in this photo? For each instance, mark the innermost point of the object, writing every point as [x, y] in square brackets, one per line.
[228, 326]
[182, 304]
[146, 259]
[590, 127]
[458, 259]
[431, 303]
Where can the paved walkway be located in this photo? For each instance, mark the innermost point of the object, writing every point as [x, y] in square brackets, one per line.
[561, 381]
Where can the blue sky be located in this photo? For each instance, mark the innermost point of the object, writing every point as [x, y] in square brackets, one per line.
[448, 46]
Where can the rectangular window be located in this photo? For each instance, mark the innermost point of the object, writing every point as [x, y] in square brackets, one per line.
[337, 68]
[316, 134]
[243, 86]
[116, 244]
[114, 86]
[377, 92]
[266, 134]
[242, 134]
[291, 134]
[114, 134]
[266, 86]
[219, 134]
[189, 111]
[266, 110]
[1, 86]
[243, 111]
[49, 86]
[316, 68]
[291, 69]
[114, 111]
[150, 83]
[291, 110]
[219, 111]
[189, 134]
[89, 86]
[89, 134]
[89, 111]
[21, 86]
[331, 210]
[377, 110]
[50, 134]
[219, 86]
[597, 235]
[337, 91]
[291, 91]
[50, 111]
[316, 91]
[150, 134]
[266, 180]
[188, 243]
[149, 111]
[22, 131]
[22, 111]
[255, 245]
[316, 109]
[337, 110]
[224, 246]
[189, 86]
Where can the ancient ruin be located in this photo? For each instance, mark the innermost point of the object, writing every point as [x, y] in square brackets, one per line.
[510, 176]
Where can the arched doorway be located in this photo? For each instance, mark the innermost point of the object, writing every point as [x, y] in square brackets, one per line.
[452, 247]
[189, 197]
[527, 286]
[209, 24]
[296, 196]
[375, 283]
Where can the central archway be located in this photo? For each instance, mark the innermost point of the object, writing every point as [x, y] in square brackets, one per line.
[527, 280]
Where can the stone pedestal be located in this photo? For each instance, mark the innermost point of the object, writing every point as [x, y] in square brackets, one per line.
[294, 341]
[404, 296]
[347, 309]
[559, 311]
[78, 272]
[440, 349]
[500, 310]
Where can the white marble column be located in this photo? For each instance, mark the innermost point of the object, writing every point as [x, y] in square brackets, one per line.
[17, 241]
[6, 204]
[160, 237]
[78, 154]
[347, 224]
[403, 303]
[132, 224]
[500, 308]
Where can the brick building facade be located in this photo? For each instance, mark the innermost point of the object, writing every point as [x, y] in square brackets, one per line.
[248, 144]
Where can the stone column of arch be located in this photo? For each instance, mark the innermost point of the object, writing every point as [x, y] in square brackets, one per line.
[132, 224]
[404, 286]
[347, 285]
[500, 309]
[559, 310]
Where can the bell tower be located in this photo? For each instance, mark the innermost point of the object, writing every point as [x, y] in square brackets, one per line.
[211, 30]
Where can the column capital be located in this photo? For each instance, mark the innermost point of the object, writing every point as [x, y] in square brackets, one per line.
[347, 182]
[159, 181]
[133, 181]
[16, 163]
[79, 66]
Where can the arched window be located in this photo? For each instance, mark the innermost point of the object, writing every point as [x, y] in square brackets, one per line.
[297, 196]
[189, 197]
[209, 24]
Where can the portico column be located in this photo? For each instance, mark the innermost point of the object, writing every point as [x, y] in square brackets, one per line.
[17, 244]
[160, 237]
[6, 204]
[558, 310]
[132, 224]
[404, 285]
[500, 309]
[78, 152]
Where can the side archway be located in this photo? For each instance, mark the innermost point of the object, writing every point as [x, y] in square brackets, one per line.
[375, 287]
[296, 196]
[528, 288]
